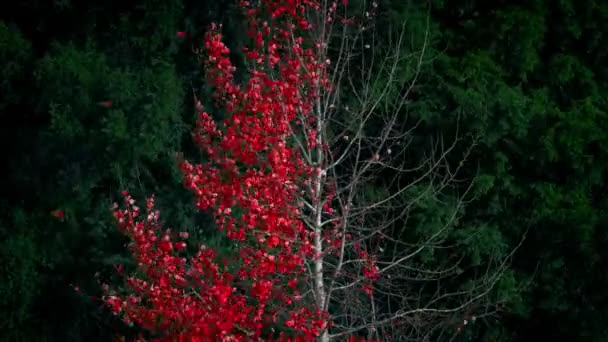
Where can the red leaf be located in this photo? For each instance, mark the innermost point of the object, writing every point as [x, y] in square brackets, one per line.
[106, 104]
[58, 214]
[273, 241]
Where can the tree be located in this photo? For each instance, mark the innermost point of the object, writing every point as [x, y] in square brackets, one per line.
[310, 175]
[250, 184]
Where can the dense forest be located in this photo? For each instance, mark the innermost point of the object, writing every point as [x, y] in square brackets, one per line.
[100, 96]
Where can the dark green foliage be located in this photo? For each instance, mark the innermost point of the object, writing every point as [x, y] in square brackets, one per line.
[70, 152]
[527, 83]
[15, 56]
[19, 259]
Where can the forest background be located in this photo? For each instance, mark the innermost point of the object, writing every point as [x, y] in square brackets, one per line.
[97, 96]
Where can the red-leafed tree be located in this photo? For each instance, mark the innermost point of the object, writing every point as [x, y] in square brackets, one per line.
[251, 183]
[287, 177]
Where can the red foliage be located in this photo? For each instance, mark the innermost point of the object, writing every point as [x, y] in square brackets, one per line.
[58, 214]
[197, 299]
[252, 170]
[251, 184]
[106, 104]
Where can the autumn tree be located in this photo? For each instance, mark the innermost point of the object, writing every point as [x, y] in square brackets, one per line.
[311, 176]
[251, 184]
